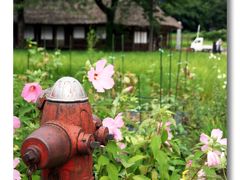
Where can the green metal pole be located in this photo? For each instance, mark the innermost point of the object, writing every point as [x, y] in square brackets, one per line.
[170, 76]
[113, 44]
[161, 78]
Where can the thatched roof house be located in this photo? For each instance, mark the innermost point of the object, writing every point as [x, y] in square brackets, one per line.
[60, 22]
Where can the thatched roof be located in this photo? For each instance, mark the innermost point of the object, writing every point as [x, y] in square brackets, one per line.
[62, 12]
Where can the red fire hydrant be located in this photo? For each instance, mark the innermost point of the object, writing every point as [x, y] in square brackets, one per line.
[62, 147]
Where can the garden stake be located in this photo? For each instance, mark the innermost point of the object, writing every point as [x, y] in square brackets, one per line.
[170, 76]
[185, 77]
[178, 71]
[62, 147]
[122, 40]
[139, 98]
[161, 77]
[113, 44]
[70, 54]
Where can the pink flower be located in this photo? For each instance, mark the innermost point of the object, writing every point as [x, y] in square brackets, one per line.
[204, 140]
[167, 128]
[213, 158]
[114, 126]
[31, 91]
[201, 175]
[16, 123]
[122, 145]
[119, 121]
[216, 134]
[189, 163]
[16, 174]
[127, 89]
[223, 141]
[101, 77]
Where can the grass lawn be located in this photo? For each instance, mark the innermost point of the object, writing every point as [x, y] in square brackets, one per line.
[145, 64]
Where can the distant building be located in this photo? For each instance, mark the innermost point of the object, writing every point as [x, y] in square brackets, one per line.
[62, 24]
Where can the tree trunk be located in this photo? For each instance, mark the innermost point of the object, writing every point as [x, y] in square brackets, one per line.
[20, 37]
[150, 47]
[110, 13]
[109, 30]
[20, 25]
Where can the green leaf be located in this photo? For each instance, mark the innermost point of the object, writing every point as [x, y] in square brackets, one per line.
[209, 172]
[35, 177]
[126, 164]
[198, 155]
[136, 158]
[154, 175]
[112, 147]
[140, 177]
[164, 136]
[102, 160]
[155, 145]
[178, 162]
[175, 176]
[162, 160]
[104, 178]
[112, 171]
[143, 169]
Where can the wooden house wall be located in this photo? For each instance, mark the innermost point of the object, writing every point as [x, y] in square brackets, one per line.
[70, 43]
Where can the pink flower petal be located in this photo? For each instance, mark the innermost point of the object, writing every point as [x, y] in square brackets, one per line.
[15, 162]
[106, 83]
[118, 121]
[213, 159]
[31, 91]
[223, 141]
[101, 77]
[16, 175]
[91, 74]
[122, 145]
[108, 70]
[204, 148]
[189, 163]
[216, 134]
[98, 86]
[127, 89]
[201, 175]
[110, 124]
[16, 122]
[204, 138]
[117, 134]
[100, 65]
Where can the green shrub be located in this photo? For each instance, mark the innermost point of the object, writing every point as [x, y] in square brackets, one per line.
[215, 35]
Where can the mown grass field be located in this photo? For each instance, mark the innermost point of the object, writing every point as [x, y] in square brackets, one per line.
[145, 64]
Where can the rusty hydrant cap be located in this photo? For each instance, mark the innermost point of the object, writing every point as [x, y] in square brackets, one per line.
[67, 89]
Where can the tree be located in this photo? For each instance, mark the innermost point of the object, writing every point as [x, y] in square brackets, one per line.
[19, 9]
[110, 14]
[210, 14]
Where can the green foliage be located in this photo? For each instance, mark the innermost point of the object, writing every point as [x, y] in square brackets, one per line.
[91, 39]
[153, 149]
[210, 14]
[215, 35]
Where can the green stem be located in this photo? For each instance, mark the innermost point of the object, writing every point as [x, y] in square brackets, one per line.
[224, 174]
[199, 168]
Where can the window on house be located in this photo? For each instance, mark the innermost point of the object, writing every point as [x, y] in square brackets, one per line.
[101, 33]
[60, 33]
[46, 33]
[78, 33]
[140, 37]
[28, 32]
